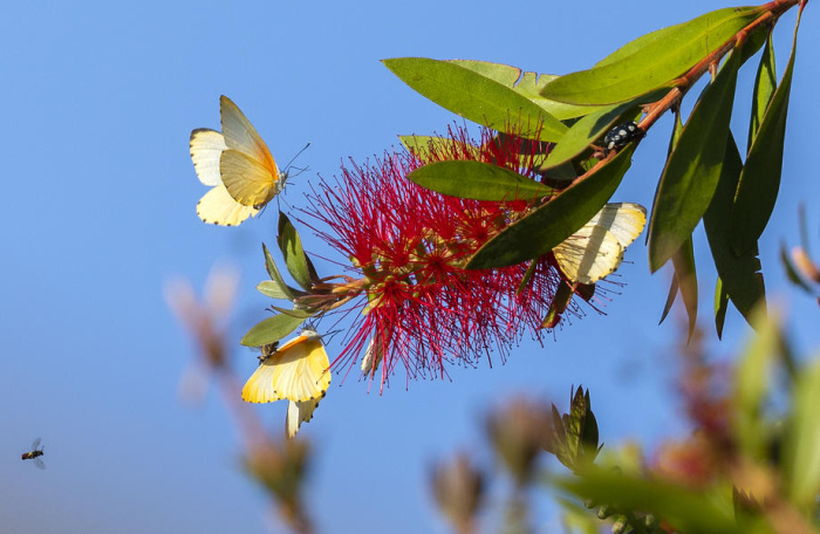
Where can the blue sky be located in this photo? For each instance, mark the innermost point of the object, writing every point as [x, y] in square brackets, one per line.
[100, 202]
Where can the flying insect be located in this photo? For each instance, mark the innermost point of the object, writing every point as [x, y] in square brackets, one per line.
[35, 453]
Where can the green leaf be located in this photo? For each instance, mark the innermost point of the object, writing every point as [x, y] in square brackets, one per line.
[582, 134]
[652, 61]
[721, 305]
[296, 261]
[686, 275]
[687, 510]
[670, 298]
[803, 442]
[522, 285]
[549, 225]
[559, 304]
[765, 85]
[752, 388]
[591, 127]
[477, 180]
[427, 148]
[271, 289]
[740, 276]
[528, 84]
[760, 180]
[692, 170]
[271, 329]
[298, 313]
[273, 272]
[475, 96]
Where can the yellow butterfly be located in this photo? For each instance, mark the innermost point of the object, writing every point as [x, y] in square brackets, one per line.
[597, 249]
[237, 164]
[298, 371]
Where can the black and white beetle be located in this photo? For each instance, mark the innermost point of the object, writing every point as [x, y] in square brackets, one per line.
[619, 136]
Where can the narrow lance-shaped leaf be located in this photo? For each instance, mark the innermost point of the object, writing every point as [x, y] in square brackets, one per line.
[271, 329]
[582, 134]
[424, 146]
[765, 85]
[547, 226]
[273, 272]
[559, 304]
[593, 126]
[653, 61]
[296, 260]
[670, 298]
[528, 84]
[684, 277]
[477, 180]
[685, 273]
[740, 276]
[475, 97]
[271, 289]
[692, 170]
[721, 306]
[760, 180]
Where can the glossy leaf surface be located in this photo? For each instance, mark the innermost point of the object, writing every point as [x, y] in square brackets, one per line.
[651, 61]
[547, 226]
[692, 170]
[477, 180]
[476, 97]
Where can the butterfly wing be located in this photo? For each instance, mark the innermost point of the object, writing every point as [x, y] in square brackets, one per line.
[206, 146]
[218, 207]
[251, 184]
[624, 220]
[298, 371]
[589, 254]
[298, 413]
[247, 180]
[596, 250]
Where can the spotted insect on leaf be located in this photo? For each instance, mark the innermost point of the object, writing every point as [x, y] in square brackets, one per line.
[619, 136]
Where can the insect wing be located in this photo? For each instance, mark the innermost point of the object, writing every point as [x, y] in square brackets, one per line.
[248, 181]
[218, 207]
[589, 254]
[39, 462]
[254, 180]
[206, 146]
[297, 371]
[624, 220]
[35, 444]
[298, 413]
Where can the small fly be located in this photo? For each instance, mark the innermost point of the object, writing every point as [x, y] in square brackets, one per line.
[34, 455]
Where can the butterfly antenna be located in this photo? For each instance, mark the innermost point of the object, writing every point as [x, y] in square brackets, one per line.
[330, 335]
[290, 163]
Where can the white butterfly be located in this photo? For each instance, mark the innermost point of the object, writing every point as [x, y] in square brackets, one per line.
[237, 164]
[597, 249]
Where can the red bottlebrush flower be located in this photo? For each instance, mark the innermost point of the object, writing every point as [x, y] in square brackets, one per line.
[409, 246]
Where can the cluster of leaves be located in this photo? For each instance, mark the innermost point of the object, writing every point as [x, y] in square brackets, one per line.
[746, 468]
[311, 296]
[704, 176]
